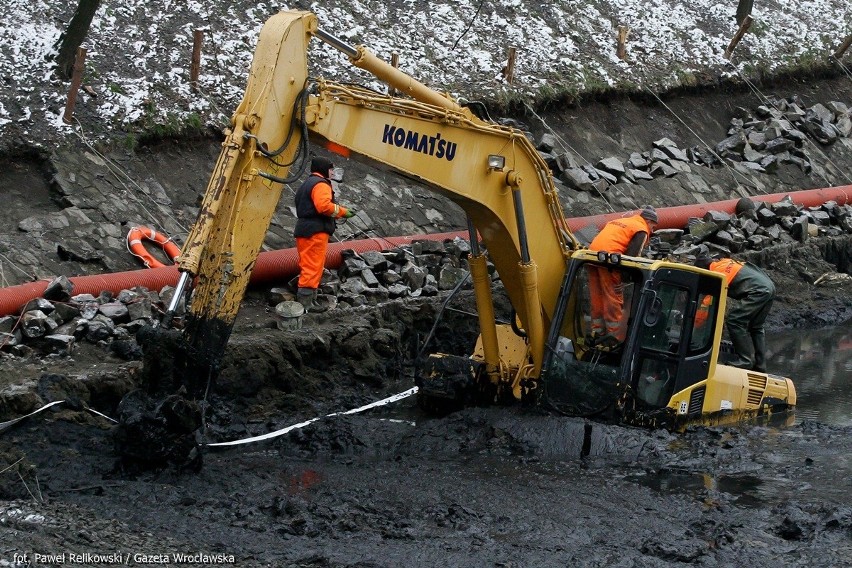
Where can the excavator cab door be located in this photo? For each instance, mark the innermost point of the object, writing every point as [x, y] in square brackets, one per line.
[672, 344]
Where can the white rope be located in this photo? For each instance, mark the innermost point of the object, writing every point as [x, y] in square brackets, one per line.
[9, 423]
[93, 411]
[389, 400]
[282, 431]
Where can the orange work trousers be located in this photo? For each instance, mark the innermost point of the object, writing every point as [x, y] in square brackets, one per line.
[311, 259]
[605, 293]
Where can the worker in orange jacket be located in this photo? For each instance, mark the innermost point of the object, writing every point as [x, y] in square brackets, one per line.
[317, 213]
[627, 235]
[754, 292]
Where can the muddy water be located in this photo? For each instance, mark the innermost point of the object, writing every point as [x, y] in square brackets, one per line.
[791, 462]
[820, 364]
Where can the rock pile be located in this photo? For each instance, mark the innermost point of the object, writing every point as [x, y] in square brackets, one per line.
[53, 323]
[778, 133]
[757, 143]
[754, 226]
[420, 270]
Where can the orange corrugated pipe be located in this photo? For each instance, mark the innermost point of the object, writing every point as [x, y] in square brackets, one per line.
[281, 265]
[677, 217]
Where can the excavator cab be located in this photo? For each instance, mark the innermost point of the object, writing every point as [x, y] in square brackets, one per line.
[656, 338]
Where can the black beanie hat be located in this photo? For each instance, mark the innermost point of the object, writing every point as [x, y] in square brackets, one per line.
[321, 165]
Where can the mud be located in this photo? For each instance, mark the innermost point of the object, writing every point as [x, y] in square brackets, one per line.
[392, 487]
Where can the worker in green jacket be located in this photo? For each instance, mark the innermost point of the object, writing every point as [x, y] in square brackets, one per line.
[754, 292]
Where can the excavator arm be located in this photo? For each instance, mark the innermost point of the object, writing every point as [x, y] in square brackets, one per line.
[223, 244]
[492, 172]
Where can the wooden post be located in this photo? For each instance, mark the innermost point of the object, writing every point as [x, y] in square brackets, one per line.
[621, 49]
[843, 47]
[76, 79]
[395, 63]
[195, 69]
[738, 36]
[509, 69]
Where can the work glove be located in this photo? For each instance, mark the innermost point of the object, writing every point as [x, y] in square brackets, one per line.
[349, 213]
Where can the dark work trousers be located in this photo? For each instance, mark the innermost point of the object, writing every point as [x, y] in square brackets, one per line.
[754, 292]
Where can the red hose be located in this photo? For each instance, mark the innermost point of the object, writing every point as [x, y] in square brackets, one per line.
[281, 265]
[677, 217]
[271, 266]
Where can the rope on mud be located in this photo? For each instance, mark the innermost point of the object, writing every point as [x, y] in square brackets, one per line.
[93, 411]
[282, 431]
[9, 423]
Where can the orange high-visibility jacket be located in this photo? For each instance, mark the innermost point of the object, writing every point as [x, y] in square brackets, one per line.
[617, 234]
[727, 267]
[315, 207]
[703, 311]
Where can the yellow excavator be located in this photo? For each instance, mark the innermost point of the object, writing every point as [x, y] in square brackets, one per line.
[664, 372]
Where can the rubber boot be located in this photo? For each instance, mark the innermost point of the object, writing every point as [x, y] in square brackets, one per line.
[317, 306]
[305, 296]
[743, 348]
[758, 338]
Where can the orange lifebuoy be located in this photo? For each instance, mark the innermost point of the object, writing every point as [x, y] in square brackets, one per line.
[136, 248]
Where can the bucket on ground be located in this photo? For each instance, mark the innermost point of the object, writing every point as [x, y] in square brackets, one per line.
[288, 315]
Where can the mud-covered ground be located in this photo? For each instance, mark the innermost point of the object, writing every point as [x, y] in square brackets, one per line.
[392, 487]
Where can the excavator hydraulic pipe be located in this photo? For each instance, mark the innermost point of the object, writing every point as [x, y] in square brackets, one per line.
[362, 57]
[485, 311]
[520, 219]
[533, 321]
[473, 238]
[534, 324]
[337, 43]
[484, 300]
[403, 83]
[177, 297]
